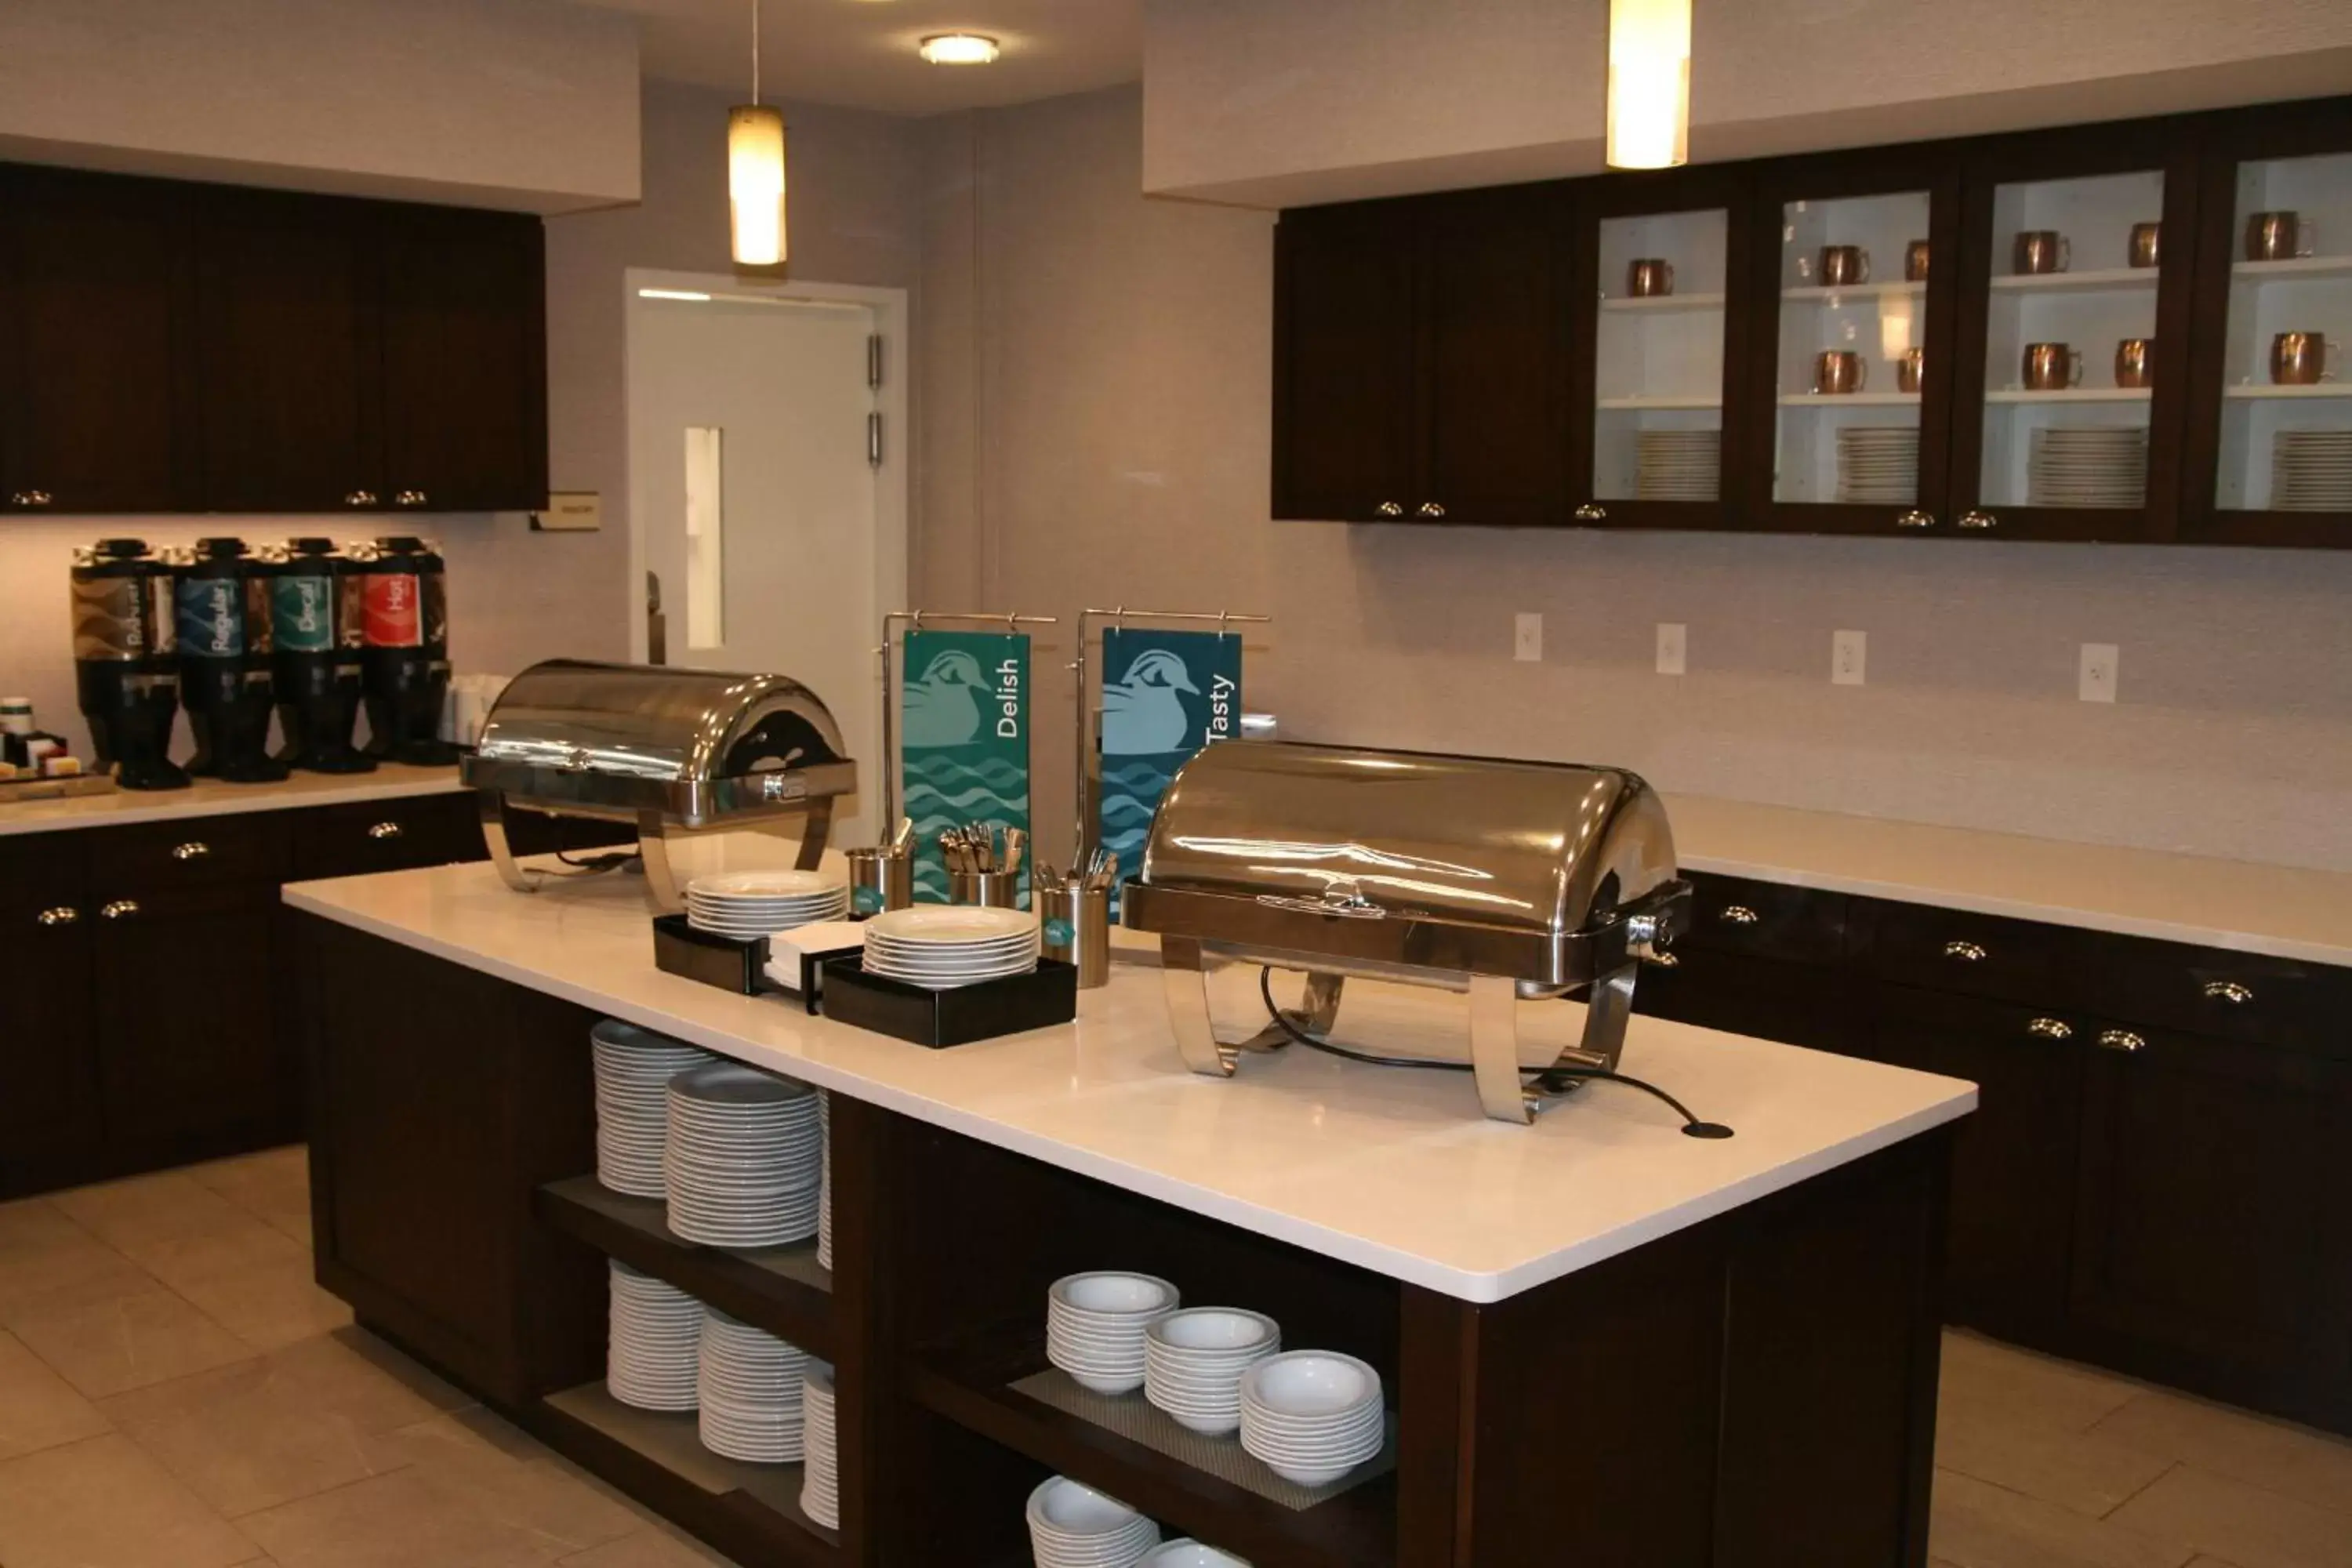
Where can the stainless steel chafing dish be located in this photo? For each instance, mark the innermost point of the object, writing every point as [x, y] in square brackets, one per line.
[1510, 880]
[672, 751]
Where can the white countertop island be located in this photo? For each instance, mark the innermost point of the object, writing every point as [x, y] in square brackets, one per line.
[1391, 1169]
[211, 798]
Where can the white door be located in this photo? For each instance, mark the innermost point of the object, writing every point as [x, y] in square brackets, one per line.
[755, 504]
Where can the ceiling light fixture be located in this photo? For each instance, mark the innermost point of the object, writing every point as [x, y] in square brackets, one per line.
[1649, 83]
[755, 173]
[959, 49]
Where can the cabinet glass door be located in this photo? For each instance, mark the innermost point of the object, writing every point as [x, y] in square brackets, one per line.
[2069, 340]
[2286, 390]
[1848, 391]
[1657, 421]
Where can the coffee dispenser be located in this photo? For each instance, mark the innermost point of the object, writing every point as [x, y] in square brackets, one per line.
[221, 599]
[315, 615]
[126, 672]
[405, 649]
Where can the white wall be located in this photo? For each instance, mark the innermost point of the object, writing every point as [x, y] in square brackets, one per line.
[1286, 102]
[523, 104]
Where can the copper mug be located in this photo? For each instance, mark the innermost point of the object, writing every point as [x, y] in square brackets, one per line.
[1915, 262]
[2279, 236]
[2136, 362]
[1910, 369]
[1649, 277]
[2300, 359]
[2040, 251]
[2051, 367]
[1837, 372]
[1843, 266]
[2146, 244]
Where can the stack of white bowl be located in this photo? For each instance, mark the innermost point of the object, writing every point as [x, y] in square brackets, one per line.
[940, 946]
[821, 1480]
[1074, 1526]
[742, 1168]
[652, 1341]
[1094, 1325]
[762, 904]
[751, 1389]
[1187, 1553]
[1312, 1415]
[1193, 1360]
[634, 1067]
[824, 1182]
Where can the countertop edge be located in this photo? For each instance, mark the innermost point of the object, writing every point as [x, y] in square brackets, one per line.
[172, 805]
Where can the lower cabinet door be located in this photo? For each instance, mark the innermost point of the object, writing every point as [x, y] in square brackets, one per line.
[49, 1125]
[2013, 1163]
[2215, 1222]
[1796, 1004]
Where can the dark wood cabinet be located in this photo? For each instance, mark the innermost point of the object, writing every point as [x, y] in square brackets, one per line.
[48, 1079]
[1345, 441]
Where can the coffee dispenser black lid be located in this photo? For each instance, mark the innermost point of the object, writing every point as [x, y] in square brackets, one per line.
[310, 546]
[219, 549]
[120, 549]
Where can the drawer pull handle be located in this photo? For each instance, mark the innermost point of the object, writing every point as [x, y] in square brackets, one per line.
[1740, 914]
[1914, 518]
[360, 497]
[120, 909]
[385, 830]
[2122, 1040]
[1663, 961]
[1391, 509]
[1431, 509]
[2228, 991]
[63, 915]
[1964, 951]
[31, 497]
[2051, 1030]
[194, 850]
[1591, 512]
[409, 498]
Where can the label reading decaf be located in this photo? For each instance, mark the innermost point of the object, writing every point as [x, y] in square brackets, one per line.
[210, 616]
[302, 613]
[393, 615]
[108, 622]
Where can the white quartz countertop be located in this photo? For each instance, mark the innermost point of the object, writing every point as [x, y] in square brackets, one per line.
[210, 797]
[1392, 1169]
[2284, 911]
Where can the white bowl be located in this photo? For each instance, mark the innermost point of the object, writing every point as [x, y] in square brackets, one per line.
[1212, 1331]
[1310, 1384]
[1186, 1553]
[1070, 1507]
[1109, 1293]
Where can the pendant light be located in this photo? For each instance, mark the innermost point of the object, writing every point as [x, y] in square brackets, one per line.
[1649, 83]
[755, 172]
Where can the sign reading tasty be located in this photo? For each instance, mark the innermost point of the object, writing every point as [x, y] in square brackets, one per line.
[1165, 696]
[964, 739]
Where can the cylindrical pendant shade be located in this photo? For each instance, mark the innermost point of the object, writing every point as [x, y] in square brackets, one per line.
[1649, 83]
[755, 183]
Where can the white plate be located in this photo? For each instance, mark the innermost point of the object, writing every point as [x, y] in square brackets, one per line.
[950, 923]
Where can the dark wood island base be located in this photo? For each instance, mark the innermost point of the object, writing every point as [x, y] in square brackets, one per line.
[1758, 1389]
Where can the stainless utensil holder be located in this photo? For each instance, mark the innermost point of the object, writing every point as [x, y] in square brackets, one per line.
[989, 889]
[1074, 926]
[878, 881]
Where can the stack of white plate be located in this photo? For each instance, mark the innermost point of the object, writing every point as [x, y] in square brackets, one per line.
[744, 1153]
[1193, 1360]
[1094, 1326]
[1677, 465]
[1312, 1415]
[821, 1480]
[634, 1067]
[751, 1389]
[943, 945]
[2311, 470]
[824, 1182]
[1878, 464]
[2087, 465]
[760, 903]
[1074, 1526]
[1187, 1553]
[652, 1341]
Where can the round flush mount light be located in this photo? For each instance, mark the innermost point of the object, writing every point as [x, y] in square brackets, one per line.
[959, 49]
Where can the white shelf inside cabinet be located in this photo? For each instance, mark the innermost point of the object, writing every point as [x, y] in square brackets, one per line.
[2320, 389]
[1859, 294]
[1847, 399]
[1667, 402]
[1664, 304]
[2073, 394]
[2287, 271]
[2100, 279]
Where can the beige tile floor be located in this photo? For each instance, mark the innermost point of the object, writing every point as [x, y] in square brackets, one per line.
[176, 1393]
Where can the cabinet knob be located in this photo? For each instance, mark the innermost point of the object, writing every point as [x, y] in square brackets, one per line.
[31, 497]
[194, 850]
[1739, 915]
[409, 498]
[360, 497]
[1964, 951]
[1390, 508]
[1431, 509]
[2122, 1040]
[1591, 511]
[2228, 991]
[1978, 520]
[2051, 1030]
[63, 915]
[1914, 518]
[120, 909]
[385, 830]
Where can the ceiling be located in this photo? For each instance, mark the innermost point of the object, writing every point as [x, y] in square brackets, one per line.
[861, 53]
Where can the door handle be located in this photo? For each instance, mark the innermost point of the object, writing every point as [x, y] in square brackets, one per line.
[1964, 951]
[2051, 1030]
[1914, 518]
[408, 498]
[120, 909]
[360, 497]
[194, 850]
[2122, 1040]
[1591, 511]
[1390, 508]
[385, 830]
[2228, 991]
[31, 497]
[1431, 509]
[1739, 915]
[63, 915]
[1978, 520]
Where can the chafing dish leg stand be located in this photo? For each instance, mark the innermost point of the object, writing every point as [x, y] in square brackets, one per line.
[653, 835]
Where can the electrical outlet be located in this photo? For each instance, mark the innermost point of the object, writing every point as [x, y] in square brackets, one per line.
[2097, 682]
[1847, 650]
[1672, 638]
[1526, 638]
